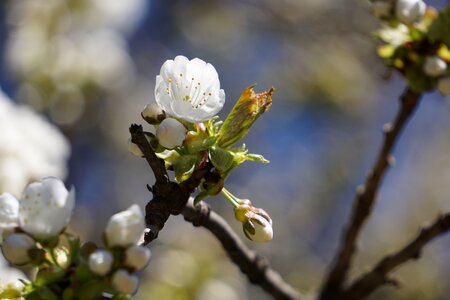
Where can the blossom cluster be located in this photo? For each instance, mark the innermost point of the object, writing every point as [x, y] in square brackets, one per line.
[23, 155]
[63, 51]
[416, 42]
[190, 138]
[32, 230]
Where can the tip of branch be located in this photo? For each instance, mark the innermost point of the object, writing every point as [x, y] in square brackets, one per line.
[135, 128]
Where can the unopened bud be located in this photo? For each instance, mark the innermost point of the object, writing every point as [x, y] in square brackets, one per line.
[443, 86]
[153, 114]
[137, 257]
[258, 228]
[125, 283]
[16, 248]
[171, 133]
[100, 262]
[434, 66]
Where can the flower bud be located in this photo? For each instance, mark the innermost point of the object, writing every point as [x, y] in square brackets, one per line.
[16, 247]
[153, 114]
[434, 66]
[125, 228]
[410, 11]
[443, 86]
[171, 133]
[100, 262]
[137, 257]
[124, 283]
[258, 228]
[46, 208]
[381, 9]
[134, 149]
[257, 224]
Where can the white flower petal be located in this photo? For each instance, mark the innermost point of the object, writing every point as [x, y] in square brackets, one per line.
[9, 211]
[189, 90]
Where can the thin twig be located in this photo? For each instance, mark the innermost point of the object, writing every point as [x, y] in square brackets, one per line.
[379, 275]
[365, 198]
[250, 263]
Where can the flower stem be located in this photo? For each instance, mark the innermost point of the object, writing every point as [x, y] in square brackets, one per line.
[231, 198]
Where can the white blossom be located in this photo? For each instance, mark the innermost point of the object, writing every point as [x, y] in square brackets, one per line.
[434, 66]
[443, 86]
[124, 283]
[125, 228]
[171, 133]
[409, 11]
[189, 89]
[46, 208]
[100, 262]
[137, 257]
[258, 228]
[16, 246]
[30, 147]
[9, 276]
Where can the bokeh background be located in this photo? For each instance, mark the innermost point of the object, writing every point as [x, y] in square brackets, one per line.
[88, 67]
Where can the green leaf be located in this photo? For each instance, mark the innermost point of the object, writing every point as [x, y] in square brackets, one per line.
[201, 145]
[221, 158]
[48, 275]
[184, 166]
[247, 110]
[440, 28]
[257, 158]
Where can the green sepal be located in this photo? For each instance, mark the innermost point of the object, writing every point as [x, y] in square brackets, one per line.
[221, 158]
[49, 275]
[199, 145]
[42, 293]
[185, 166]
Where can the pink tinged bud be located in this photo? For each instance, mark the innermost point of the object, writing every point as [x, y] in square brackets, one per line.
[171, 133]
[124, 283]
[381, 9]
[100, 262]
[125, 228]
[434, 66]
[443, 86]
[258, 228]
[46, 208]
[410, 11]
[134, 149]
[16, 248]
[137, 257]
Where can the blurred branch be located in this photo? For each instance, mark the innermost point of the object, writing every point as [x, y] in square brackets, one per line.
[365, 197]
[250, 263]
[172, 198]
[377, 277]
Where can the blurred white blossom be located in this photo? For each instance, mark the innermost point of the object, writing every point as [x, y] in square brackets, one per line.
[9, 275]
[30, 147]
[62, 50]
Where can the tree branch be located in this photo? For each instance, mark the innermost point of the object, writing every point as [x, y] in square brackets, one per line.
[375, 278]
[250, 263]
[171, 198]
[365, 198]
